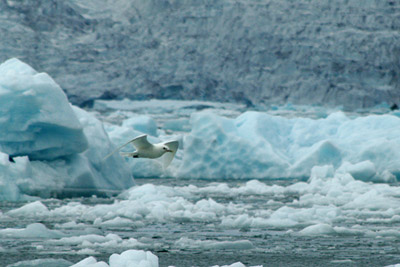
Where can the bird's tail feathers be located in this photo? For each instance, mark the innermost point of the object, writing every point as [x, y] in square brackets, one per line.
[128, 154]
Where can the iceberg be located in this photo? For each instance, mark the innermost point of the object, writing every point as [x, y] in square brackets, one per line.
[49, 146]
[142, 123]
[286, 142]
[9, 172]
[218, 147]
[112, 173]
[36, 118]
[260, 145]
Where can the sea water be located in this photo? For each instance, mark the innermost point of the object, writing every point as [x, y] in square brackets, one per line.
[206, 223]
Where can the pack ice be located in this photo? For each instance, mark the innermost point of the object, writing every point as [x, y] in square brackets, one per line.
[45, 143]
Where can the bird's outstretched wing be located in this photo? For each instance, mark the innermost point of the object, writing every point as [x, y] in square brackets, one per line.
[169, 156]
[139, 142]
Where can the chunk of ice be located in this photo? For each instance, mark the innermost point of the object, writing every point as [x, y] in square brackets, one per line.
[42, 262]
[127, 258]
[34, 230]
[35, 115]
[48, 146]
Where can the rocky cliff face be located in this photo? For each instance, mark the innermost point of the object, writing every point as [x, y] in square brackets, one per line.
[343, 52]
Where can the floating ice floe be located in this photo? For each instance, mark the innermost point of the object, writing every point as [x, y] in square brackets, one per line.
[187, 243]
[330, 203]
[236, 264]
[47, 145]
[42, 262]
[35, 230]
[127, 258]
[97, 241]
[323, 205]
[135, 258]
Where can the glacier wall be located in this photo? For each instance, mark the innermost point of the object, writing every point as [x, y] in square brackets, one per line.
[342, 52]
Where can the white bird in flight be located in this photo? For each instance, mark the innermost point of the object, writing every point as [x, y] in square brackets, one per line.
[144, 149]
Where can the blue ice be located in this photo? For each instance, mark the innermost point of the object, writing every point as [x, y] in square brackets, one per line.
[46, 144]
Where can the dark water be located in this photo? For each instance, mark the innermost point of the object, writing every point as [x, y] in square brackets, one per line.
[272, 246]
